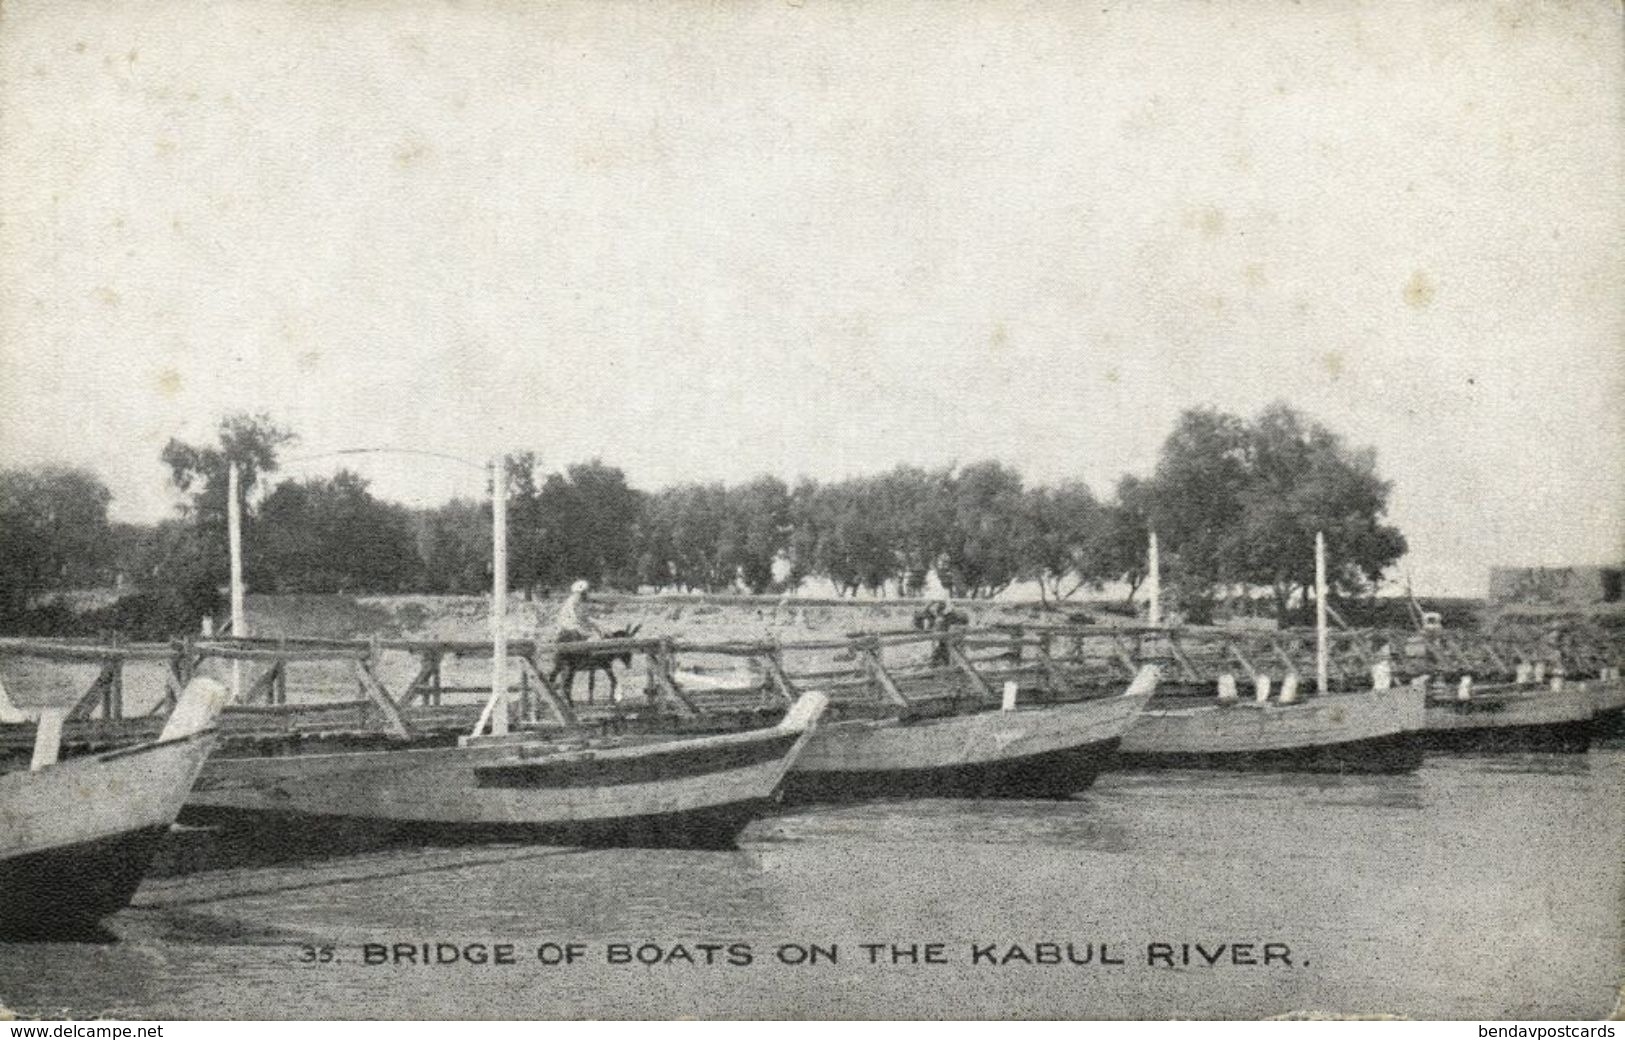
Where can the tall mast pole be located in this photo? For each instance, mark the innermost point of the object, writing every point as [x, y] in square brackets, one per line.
[234, 538]
[1320, 612]
[499, 595]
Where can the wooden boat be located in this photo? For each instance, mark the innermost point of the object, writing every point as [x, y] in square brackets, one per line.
[1512, 717]
[696, 792]
[77, 835]
[1044, 751]
[1371, 731]
[1608, 704]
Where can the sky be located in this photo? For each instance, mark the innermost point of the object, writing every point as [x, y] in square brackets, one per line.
[708, 240]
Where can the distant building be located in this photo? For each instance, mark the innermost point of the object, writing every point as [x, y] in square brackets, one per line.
[1570, 587]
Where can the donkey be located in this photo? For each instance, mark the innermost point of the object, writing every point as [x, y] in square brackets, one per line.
[569, 662]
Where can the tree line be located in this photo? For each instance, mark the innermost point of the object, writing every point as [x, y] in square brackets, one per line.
[1236, 503]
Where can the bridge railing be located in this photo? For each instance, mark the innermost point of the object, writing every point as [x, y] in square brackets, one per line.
[894, 670]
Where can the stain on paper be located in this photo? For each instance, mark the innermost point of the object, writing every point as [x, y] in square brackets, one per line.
[1420, 290]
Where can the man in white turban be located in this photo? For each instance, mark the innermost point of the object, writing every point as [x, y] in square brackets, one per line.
[574, 621]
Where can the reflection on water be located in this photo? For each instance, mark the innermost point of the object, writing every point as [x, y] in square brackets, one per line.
[1479, 887]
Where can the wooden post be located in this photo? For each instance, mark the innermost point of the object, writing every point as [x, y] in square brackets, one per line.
[113, 705]
[426, 682]
[526, 709]
[234, 529]
[1337, 661]
[185, 664]
[1320, 613]
[1153, 581]
[47, 739]
[1047, 665]
[499, 595]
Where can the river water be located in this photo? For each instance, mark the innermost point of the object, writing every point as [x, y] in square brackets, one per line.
[1479, 887]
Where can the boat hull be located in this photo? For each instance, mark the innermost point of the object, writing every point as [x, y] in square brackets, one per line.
[1396, 753]
[715, 826]
[77, 837]
[1375, 731]
[1514, 718]
[66, 889]
[1608, 712]
[694, 792]
[1046, 752]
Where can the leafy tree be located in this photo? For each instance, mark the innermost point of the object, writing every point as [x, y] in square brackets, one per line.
[805, 515]
[1125, 526]
[153, 554]
[1238, 504]
[332, 535]
[839, 534]
[53, 532]
[755, 531]
[1064, 532]
[1305, 479]
[577, 524]
[681, 538]
[200, 472]
[987, 532]
[1195, 503]
[454, 547]
[915, 516]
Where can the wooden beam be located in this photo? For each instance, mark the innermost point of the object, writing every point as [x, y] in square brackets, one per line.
[1360, 648]
[265, 686]
[1493, 653]
[868, 652]
[97, 695]
[83, 653]
[374, 690]
[1123, 657]
[547, 694]
[1242, 659]
[661, 665]
[1440, 652]
[1191, 671]
[777, 679]
[1285, 658]
[172, 690]
[231, 652]
[425, 683]
[956, 654]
